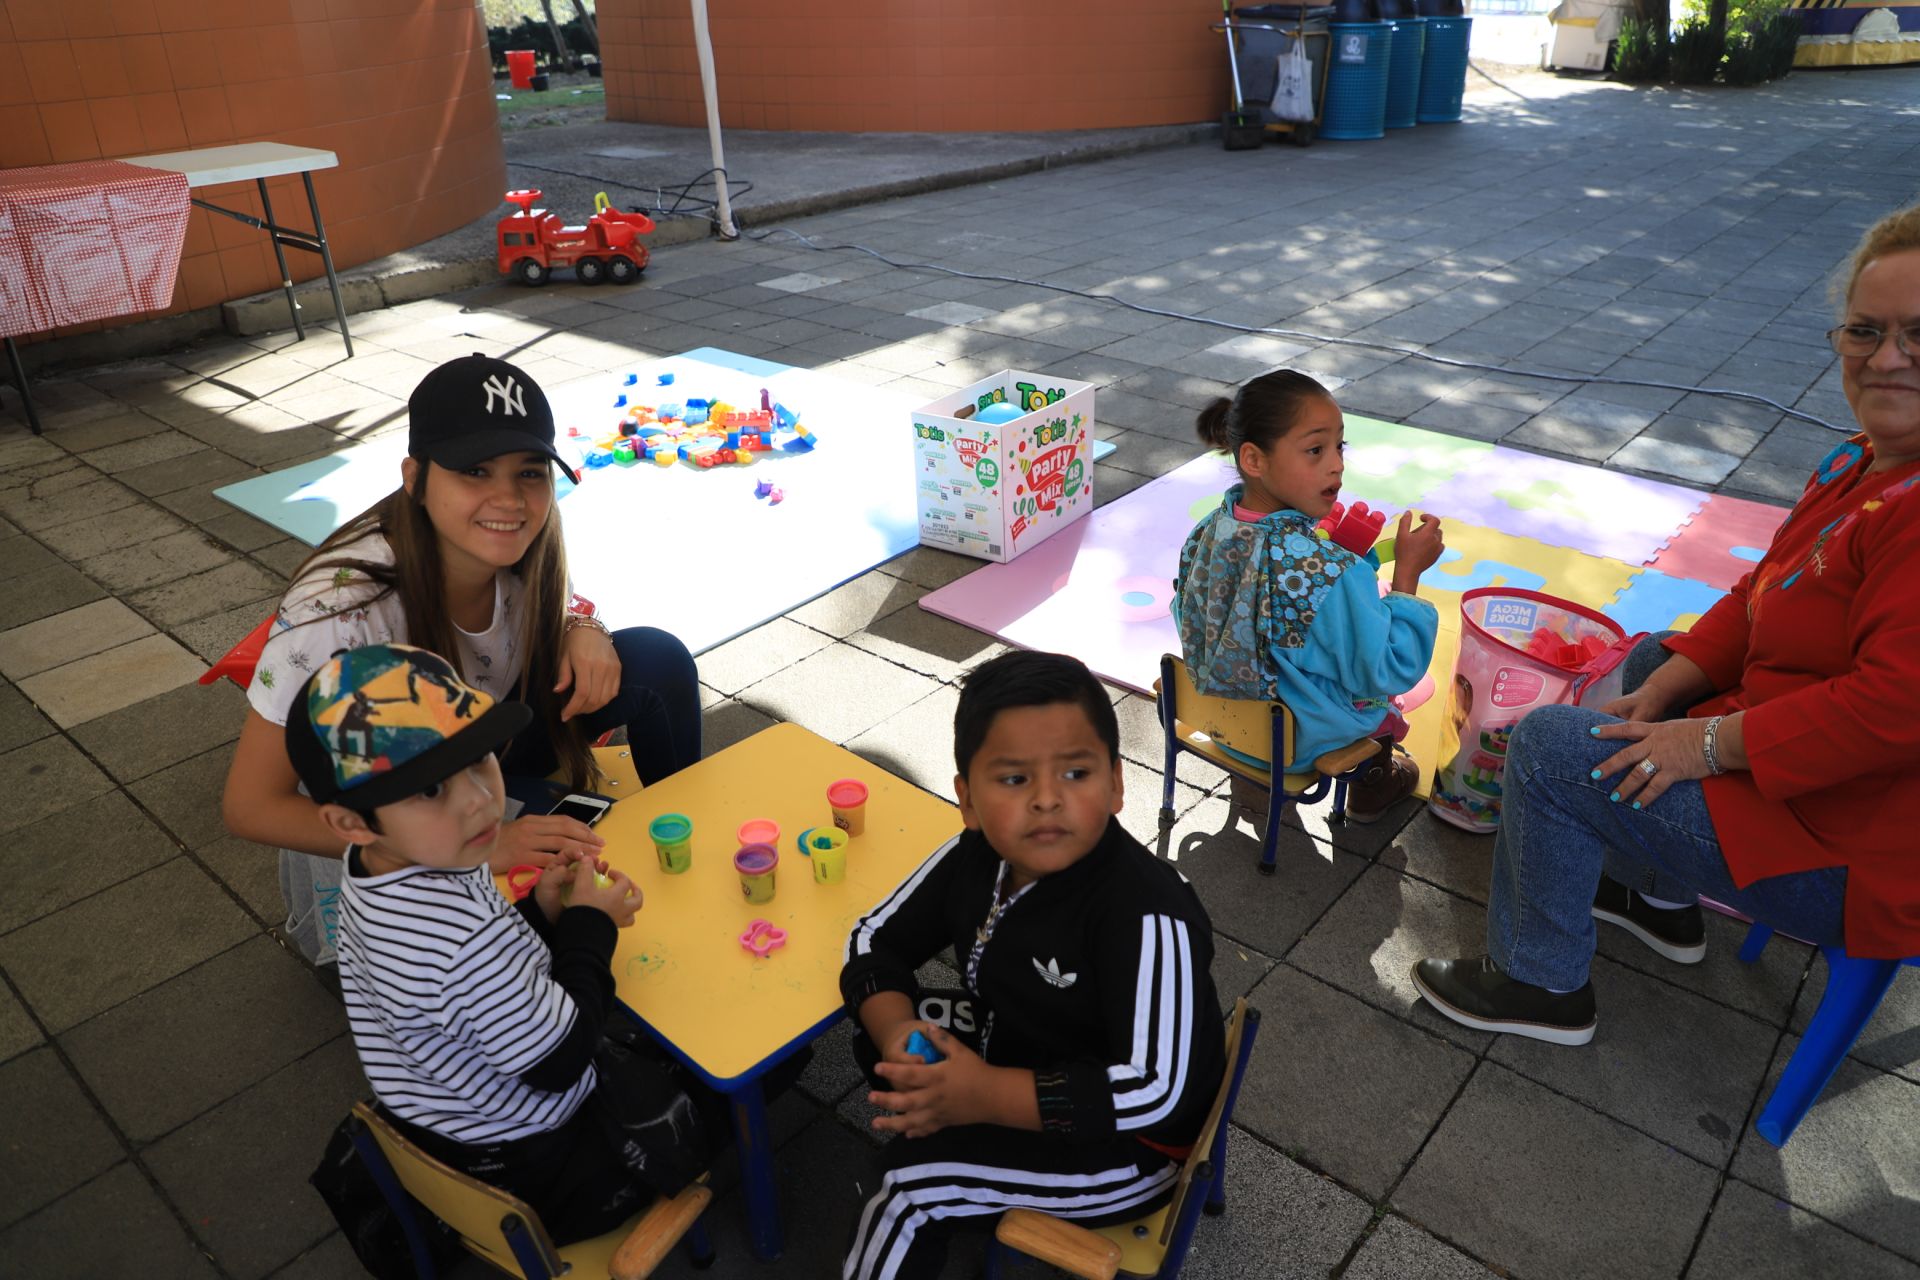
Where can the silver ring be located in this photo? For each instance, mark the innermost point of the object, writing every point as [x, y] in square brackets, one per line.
[1648, 767]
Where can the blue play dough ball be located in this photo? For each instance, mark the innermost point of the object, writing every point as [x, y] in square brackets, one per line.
[999, 412]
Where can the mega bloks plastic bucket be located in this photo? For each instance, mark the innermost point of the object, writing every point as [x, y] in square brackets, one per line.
[1356, 107]
[1443, 70]
[520, 68]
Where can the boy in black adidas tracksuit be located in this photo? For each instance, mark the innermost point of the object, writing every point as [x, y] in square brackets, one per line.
[1100, 1038]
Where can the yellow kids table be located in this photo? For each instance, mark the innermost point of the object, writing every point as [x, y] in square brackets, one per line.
[681, 969]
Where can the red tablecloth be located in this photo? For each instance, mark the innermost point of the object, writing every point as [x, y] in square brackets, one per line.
[86, 241]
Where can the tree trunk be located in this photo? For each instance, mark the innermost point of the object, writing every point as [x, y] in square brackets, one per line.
[1717, 22]
[562, 56]
[1659, 13]
[586, 21]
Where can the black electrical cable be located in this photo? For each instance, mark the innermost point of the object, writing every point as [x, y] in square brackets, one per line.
[685, 189]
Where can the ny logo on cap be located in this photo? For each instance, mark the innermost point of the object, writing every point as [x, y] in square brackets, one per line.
[512, 395]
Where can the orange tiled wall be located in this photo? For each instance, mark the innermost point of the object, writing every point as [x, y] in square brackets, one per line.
[400, 90]
[937, 65]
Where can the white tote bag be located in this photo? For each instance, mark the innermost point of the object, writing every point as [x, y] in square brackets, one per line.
[1293, 85]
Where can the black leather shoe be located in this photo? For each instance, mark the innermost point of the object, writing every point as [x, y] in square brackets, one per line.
[1678, 933]
[1474, 993]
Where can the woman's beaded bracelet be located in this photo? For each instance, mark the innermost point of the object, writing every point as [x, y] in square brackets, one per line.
[575, 620]
[1710, 745]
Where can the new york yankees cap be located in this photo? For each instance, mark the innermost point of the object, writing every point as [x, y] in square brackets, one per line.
[475, 408]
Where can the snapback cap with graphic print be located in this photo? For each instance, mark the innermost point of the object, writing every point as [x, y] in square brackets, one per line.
[477, 407]
[379, 724]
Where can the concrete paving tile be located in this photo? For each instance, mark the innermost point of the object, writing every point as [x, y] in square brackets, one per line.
[1148, 455]
[21, 555]
[1368, 942]
[1268, 913]
[206, 466]
[162, 922]
[916, 742]
[1440, 853]
[1298, 1225]
[1851, 1159]
[770, 647]
[62, 499]
[926, 642]
[239, 1173]
[106, 682]
[55, 1138]
[1397, 1249]
[249, 870]
[334, 1257]
[27, 451]
[1554, 434]
[283, 558]
[729, 721]
[1756, 1236]
[185, 797]
[1343, 1086]
[839, 692]
[1891, 1038]
[191, 1043]
[1646, 1066]
[125, 455]
[1143, 740]
[1517, 1172]
[832, 1071]
[45, 592]
[855, 605]
[1364, 838]
[1767, 482]
[1237, 970]
[1720, 437]
[46, 777]
[145, 1237]
[1463, 418]
[1111, 485]
[20, 723]
[1764, 989]
[931, 567]
[115, 531]
[38, 860]
[201, 594]
[65, 637]
[17, 1030]
[143, 737]
[213, 635]
[1684, 462]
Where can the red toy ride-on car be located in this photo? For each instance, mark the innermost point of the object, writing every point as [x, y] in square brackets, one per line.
[533, 242]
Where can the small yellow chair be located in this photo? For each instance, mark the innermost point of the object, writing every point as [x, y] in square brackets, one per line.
[1244, 737]
[1156, 1245]
[502, 1230]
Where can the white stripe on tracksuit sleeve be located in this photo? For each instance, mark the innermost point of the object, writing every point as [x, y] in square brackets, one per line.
[1153, 1079]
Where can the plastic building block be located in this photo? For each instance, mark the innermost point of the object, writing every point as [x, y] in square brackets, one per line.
[630, 379]
[762, 938]
[695, 415]
[918, 1043]
[766, 401]
[597, 458]
[628, 427]
[785, 418]
[623, 453]
[1356, 528]
[763, 488]
[620, 401]
[778, 496]
[672, 409]
[699, 402]
[666, 379]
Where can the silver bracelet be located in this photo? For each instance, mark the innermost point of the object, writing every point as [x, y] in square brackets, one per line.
[1710, 745]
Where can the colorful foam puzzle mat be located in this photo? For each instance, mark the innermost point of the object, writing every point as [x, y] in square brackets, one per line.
[693, 551]
[1651, 555]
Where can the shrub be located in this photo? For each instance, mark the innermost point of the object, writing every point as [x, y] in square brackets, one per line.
[1782, 34]
[1640, 53]
[1764, 51]
[1696, 53]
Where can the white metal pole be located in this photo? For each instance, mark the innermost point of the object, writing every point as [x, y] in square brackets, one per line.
[703, 46]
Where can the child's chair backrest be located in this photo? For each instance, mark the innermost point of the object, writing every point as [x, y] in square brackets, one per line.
[1208, 1147]
[1243, 726]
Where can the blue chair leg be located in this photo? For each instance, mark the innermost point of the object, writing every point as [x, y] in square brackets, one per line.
[699, 1245]
[1182, 1238]
[1339, 813]
[1854, 989]
[1756, 942]
[1270, 843]
[996, 1259]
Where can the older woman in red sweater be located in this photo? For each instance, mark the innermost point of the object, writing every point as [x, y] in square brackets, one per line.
[1769, 758]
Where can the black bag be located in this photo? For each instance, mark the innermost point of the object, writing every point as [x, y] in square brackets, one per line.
[368, 1222]
[646, 1112]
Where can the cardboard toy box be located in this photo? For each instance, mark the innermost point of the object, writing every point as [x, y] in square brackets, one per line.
[996, 489]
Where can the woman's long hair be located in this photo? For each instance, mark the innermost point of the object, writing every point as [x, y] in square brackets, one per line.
[418, 579]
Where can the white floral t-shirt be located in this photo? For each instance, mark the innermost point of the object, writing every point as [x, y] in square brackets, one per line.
[327, 610]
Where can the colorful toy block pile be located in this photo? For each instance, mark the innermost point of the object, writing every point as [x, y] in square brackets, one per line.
[704, 433]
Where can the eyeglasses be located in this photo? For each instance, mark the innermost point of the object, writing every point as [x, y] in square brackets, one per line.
[1865, 339]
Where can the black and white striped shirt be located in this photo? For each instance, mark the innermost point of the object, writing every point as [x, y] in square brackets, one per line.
[450, 996]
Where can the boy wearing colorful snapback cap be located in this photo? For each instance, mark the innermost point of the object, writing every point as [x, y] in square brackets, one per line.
[476, 1022]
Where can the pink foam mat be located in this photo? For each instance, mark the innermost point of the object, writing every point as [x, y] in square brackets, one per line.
[1721, 543]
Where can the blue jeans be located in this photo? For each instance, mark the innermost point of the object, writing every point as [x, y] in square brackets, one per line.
[658, 702]
[1559, 831]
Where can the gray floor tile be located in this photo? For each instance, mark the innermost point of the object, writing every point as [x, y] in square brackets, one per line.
[90, 956]
[149, 564]
[1668, 1063]
[76, 495]
[1237, 970]
[17, 1031]
[1343, 1086]
[747, 659]
[1684, 462]
[20, 722]
[1368, 944]
[1891, 1040]
[925, 642]
[1764, 989]
[1850, 1158]
[114, 531]
[202, 467]
[1296, 1225]
[839, 692]
[1267, 913]
[239, 1173]
[43, 875]
[201, 594]
[110, 681]
[191, 1043]
[1142, 740]
[68, 637]
[55, 1138]
[21, 555]
[1517, 1172]
[931, 567]
[1756, 1236]
[1398, 1250]
[916, 743]
[251, 871]
[1442, 854]
[185, 797]
[138, 739]
[122, 1227]
[333, 1257]
[45, 777]
[45, 592]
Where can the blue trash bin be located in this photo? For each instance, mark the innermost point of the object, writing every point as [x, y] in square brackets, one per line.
[1403, 71]
[1443, 70]
[1356, 107]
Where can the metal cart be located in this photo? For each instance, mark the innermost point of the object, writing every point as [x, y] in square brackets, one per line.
[1256, 37]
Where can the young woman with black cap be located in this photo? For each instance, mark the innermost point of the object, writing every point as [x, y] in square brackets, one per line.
[466, 559]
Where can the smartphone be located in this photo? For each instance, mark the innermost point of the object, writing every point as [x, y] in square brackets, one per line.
[583, 805]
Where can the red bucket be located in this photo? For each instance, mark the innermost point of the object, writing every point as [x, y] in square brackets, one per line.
[520, 68]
